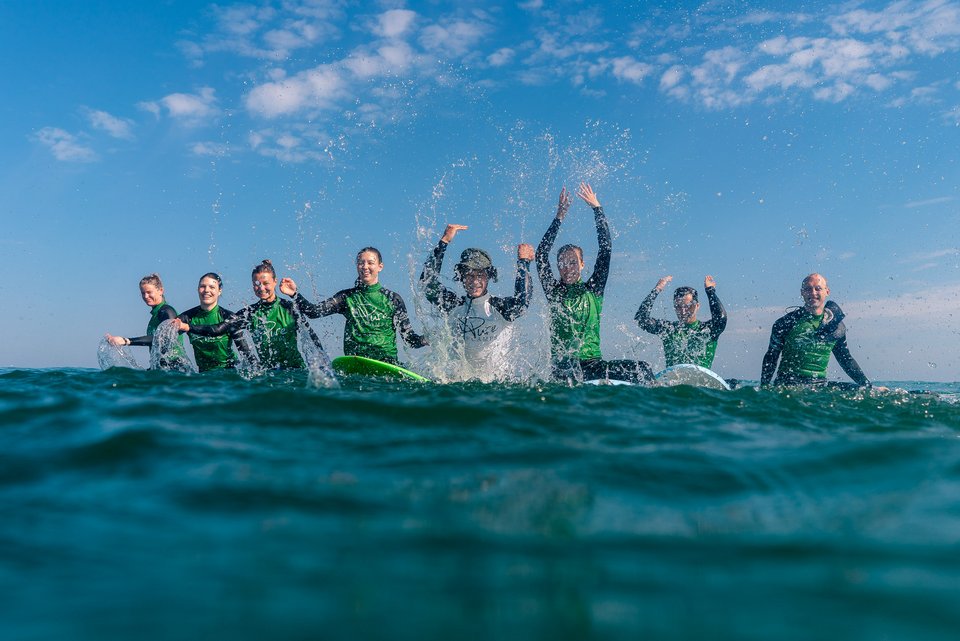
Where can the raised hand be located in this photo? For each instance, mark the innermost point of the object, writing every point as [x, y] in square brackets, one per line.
[585, 191]
[663, 282]
[563, 206]
[524, 251]
[709, 282]
[451, 231]
[288, 287]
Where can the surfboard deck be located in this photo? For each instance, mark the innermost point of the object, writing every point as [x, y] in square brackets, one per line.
[372, 367]
[606, 381]
[689, 374]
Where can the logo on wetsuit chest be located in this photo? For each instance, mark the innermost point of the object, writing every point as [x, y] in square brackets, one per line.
[477, 328]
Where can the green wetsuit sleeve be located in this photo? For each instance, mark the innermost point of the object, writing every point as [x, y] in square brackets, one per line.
[336, 304]
[165, 313]
[848, 363]
[513, 307]
[435, 291]
[648, 324]
[544, 271]
[718, 315]
[601, 268]
[401, 322]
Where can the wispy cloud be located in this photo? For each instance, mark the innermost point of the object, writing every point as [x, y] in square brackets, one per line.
[930, 201]
[115, 127]
[64, 145]
[191, 108]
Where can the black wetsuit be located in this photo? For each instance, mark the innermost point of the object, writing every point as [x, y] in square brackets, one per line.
[273, 327]
[806, 342]
[575, 315]
[374, 316]
[215, 352]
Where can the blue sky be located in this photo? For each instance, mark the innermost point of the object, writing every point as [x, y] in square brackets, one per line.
[754, 141]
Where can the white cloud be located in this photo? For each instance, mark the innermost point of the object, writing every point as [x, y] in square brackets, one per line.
[116, 127]
[215, 149]
[318, 88]
[501, 57]
[65, 145]
[671, 77]
[930, 201]
[629, 69]
[395, 23]
[453, 38]
[190, 108]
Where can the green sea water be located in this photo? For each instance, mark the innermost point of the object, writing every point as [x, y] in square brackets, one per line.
[152, 505]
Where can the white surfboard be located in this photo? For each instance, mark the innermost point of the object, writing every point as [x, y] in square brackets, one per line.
[688, 374]
[606, 381]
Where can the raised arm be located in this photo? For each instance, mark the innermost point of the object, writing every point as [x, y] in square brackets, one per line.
[434, 289]
[336, 304]
[547, 280]
[718, 315]
[648, 324]
[513, 307]
[601, 269]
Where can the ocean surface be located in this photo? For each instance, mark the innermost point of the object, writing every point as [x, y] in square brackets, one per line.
[153, 505]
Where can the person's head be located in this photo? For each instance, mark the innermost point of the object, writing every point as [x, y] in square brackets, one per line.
[685, 304]
[814, 292]
[209, 289]
[369, 266]
[265, 281]
[570, 263]
[151, 290]
[475, 270]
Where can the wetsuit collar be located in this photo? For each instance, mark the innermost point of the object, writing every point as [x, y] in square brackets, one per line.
[376, 287]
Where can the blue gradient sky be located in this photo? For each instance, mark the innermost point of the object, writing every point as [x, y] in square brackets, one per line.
[749, 141]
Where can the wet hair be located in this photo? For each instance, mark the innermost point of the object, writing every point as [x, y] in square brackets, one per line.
[214, 275]
[680, 292]
[151, 279]
[265, 267]
[373, 250]
[567, 248]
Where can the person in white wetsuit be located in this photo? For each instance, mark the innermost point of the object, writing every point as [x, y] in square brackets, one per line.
[478, 320]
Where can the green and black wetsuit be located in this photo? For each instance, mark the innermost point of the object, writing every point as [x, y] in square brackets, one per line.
[215, 352]
[374, 315]
[805, 342]
[575, 314]
[273, 327]
[694, 342]
[158, 314]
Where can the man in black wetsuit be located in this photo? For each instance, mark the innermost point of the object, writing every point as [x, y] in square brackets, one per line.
[575, 306]
[803, 340]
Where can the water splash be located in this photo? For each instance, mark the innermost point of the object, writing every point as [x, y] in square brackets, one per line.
[109, 355]
[167, 353]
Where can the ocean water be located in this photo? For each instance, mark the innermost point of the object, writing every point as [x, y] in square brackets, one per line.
[152, 505]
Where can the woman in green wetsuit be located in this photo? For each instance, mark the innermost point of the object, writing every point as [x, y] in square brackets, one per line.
[374, 314]
[151, 291]
[272, 323]
[214, 352]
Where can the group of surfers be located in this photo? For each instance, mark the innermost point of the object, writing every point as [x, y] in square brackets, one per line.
[801, 342]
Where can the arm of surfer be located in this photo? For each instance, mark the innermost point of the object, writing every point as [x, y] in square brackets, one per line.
[643, 318]
[434, 289]
[773, 355]
[601, 268]
[513, 307]
[718, 315]
[849, 364]
[332, 305]
[401, 321]
[547, 280]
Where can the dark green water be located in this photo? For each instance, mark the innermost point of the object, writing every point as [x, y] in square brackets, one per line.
[149, 505]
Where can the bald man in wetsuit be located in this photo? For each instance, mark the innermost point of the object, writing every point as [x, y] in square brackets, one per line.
[803, 340]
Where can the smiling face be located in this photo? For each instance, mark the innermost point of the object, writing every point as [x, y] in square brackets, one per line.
[209, 292]
[570, 264]
[475, 282]
[264, 285]
[814, 292]
[686, 308]
[369, 267]
[151, 294]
